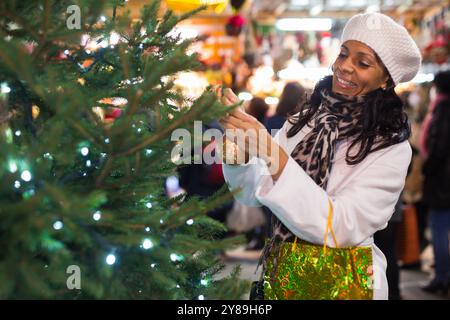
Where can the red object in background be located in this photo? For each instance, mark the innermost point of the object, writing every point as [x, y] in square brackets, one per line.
[408, 248]
[113, 114]
[234, 25]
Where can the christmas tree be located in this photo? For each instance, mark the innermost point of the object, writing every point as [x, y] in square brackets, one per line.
[87, 108]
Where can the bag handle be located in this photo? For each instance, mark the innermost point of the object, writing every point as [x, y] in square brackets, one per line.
[329, 227]
[327, 230]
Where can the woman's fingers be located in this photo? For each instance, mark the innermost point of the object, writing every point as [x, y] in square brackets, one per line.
[229, 94]
[242, 116]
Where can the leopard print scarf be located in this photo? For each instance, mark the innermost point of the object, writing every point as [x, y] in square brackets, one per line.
[337, 118]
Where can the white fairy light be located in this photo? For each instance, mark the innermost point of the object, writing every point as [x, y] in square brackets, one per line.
[12, 167]
[204, 282]
[190, 222]
[149, 205]
[17, 184]
[84, 151]
[58, 225]
[97, 216]
[161, 221]
[107, 140]
[175, 257]
[147, 229]
[18, 133]
[201, 297]
[88, 163]
[153, 265]
[147, 244]
[26, 175]
[111, 259]
[66, 52]
[148, 152]
[103, 18]
[5, 88]
[114, 38]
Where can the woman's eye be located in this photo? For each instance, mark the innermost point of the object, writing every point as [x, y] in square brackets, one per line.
[363, 64]
[341, 55]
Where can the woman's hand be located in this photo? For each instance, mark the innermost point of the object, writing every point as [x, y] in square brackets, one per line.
[250, 135]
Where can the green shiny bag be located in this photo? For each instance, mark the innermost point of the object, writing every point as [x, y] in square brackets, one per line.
[307, 271]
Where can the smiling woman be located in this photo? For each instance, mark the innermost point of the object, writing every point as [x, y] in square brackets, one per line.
[334, 172]
[358, 70]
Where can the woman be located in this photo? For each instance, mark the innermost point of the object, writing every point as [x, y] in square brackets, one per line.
[333, 173]
[436, 190]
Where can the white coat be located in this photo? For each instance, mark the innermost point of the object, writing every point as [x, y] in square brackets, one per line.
[363, 196]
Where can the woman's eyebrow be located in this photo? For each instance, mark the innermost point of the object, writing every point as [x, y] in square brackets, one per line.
[361, 52]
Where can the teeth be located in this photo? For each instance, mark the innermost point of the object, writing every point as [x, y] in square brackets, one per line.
[346, 83]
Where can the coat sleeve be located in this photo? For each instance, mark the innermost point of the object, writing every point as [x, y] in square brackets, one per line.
[245, 178]
[362, 207]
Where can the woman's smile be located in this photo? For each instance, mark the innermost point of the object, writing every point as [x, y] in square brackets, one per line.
[344, 84]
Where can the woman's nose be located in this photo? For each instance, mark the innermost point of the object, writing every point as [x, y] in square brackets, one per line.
[346, 66]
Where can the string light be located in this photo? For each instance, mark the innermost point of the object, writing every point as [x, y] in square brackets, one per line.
[149, 205]
[204, 282]
[107, 140]
[12, 167]
[26, 175]
[147, 244]
[103, 18]
[153, 265]
[148, 152]
[18, 133]
[97, 216]
[114, 38]
[84, 151]
[66, 52]
[161, 221]
[201, 297]
[190, 222]
[17, 184]
[58, 225]
[4, 88]
[147, 229]
[88, 163]
[175, 257]
[110, 259]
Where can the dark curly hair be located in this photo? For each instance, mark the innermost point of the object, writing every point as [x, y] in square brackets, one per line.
[384, 122]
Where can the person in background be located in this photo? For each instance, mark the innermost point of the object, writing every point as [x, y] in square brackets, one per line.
[258, 108]
[436, 191]
[292, 97]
